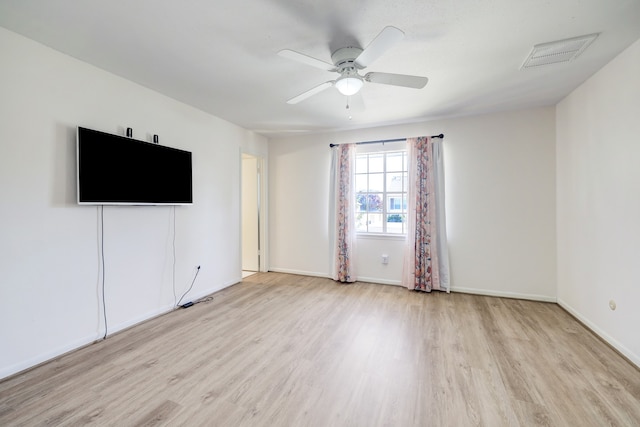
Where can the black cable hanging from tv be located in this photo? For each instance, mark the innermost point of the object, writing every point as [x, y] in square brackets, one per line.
[382, 141]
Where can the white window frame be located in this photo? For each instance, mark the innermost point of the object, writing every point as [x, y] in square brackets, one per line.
[394, 147]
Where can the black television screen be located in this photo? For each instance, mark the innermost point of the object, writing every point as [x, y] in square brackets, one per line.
[114, 170]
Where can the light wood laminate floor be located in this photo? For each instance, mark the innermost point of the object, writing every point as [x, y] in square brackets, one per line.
[286, 350]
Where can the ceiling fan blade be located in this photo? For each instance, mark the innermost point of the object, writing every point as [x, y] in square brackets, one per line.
[306, 59]
[415, 82]
[311, 92]
[383, 41]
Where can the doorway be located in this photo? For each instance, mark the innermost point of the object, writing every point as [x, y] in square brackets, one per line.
[251, 218]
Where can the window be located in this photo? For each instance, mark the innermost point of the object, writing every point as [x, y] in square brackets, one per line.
[381, 192]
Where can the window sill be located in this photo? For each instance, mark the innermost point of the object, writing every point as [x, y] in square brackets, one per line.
[380, 236]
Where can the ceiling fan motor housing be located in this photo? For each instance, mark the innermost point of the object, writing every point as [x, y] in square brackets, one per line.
[345, 57]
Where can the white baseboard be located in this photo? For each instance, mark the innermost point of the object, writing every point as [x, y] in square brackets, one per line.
[379, 281]
[502, 294]
[299, 272]
[163, 310]
[633, 358]
[82, 342]
[327, 276]
[207, 292]
[492, 293]
[112, 329]
[45, 357]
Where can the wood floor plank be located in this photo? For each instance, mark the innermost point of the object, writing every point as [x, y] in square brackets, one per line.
[287, 350]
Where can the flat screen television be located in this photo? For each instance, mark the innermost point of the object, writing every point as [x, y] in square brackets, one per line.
[114, 170]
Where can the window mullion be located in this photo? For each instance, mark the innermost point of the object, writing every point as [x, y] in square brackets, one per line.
[376, 184]
[384, 193]
[368, 192]
[404, 196]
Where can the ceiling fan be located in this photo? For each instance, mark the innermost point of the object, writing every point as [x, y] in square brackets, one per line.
[347, 61]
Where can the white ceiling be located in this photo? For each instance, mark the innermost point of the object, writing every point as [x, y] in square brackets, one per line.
[221, 55]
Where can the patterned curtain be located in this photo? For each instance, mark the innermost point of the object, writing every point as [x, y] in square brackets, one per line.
[426, 265]
[343, 166]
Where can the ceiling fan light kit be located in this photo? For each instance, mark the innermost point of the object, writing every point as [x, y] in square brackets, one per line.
[348, 60]
[349, 85]
[350, 82]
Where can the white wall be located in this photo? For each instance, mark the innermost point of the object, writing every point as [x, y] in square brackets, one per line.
[598, 198]
[49, 266]
[500, 200]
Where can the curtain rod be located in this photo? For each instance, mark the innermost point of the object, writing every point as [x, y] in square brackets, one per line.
[382, 141]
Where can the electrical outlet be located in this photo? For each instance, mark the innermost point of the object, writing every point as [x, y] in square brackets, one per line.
[385, 259]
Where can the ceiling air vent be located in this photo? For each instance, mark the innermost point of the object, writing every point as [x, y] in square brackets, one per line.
[558, 51]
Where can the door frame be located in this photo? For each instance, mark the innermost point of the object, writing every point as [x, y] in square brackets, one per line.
[262, 210]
